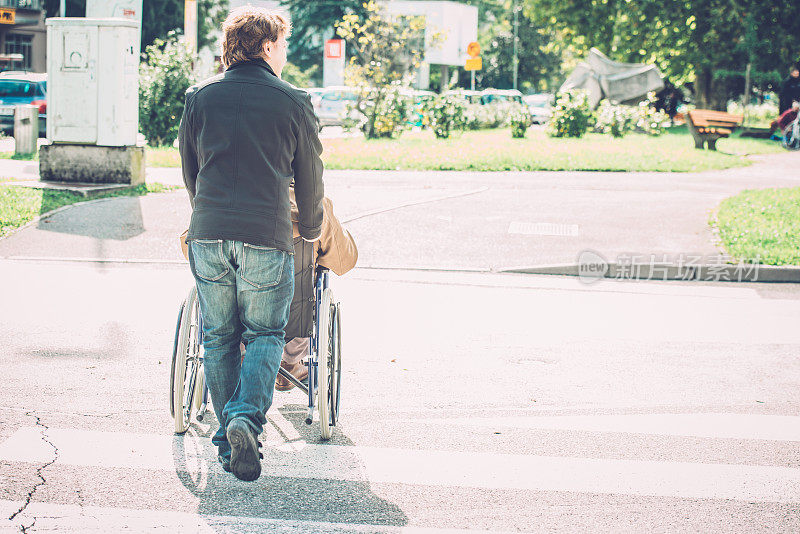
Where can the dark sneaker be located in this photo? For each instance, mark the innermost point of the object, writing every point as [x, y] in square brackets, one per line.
[245, 458]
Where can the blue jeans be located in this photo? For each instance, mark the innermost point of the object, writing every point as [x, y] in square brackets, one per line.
[245, 292]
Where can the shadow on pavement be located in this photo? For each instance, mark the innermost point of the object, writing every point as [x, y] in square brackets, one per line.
[275, 497]
[118, 218]
[114, 346]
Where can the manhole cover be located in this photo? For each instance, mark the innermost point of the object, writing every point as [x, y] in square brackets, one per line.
[526, 228]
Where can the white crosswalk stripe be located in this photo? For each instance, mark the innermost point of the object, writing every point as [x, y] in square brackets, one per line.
[701, 425]
[88, 448]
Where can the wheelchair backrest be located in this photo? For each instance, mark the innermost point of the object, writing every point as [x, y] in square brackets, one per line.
[301, 314]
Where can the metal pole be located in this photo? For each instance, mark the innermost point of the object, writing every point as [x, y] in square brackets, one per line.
[746, 91]
[63, 8]
[472, 84]
[516, 32]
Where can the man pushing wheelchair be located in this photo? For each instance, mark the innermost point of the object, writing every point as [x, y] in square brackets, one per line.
[244, 137]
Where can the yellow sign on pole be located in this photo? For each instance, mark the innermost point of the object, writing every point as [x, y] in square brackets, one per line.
[7, 16]
[473, 64]
[473, 49]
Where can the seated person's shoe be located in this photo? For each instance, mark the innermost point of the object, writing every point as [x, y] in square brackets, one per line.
[245, 458]
[298, 370]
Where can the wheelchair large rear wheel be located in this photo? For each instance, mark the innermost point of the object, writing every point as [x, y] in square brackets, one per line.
[335, 363]
[328, 358]
[174, 361]
[187, 375]
[791, 137]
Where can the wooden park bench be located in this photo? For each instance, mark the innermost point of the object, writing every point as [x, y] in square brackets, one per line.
[707, 126]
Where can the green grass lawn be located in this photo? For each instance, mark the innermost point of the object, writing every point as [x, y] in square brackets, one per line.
[495, 150]
[162, 157]
[19, 205]
[12, 155]
[761, 226]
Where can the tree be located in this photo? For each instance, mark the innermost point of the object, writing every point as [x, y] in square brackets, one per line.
[159, 17]
[311, 22]
[387, 51]
[540, 59]
[74, 8]
[210, 15]
[542, 51]
[689, 40]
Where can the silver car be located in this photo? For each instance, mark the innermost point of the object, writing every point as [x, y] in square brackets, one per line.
[540, 107]
[333, 104]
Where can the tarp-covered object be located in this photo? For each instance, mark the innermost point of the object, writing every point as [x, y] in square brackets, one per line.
[619, 82]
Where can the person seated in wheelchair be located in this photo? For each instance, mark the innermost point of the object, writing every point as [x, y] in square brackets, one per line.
[788, 117]
[335, 250]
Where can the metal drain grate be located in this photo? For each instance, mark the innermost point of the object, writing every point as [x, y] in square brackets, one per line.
[543, 229]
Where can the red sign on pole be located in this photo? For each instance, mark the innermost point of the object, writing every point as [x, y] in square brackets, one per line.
[333, 49]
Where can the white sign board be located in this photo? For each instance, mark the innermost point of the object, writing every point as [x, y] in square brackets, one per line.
[456, 22]
[126, 9]
[333, 63]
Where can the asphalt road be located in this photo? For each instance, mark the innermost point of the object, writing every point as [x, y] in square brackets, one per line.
[473, 401]
[447, 220]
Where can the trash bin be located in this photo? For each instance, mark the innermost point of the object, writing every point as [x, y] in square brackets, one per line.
[26, 129]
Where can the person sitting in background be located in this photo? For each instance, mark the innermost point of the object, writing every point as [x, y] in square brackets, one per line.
[788, 116]
[790, 90]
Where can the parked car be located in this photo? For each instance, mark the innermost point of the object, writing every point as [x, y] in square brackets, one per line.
[471, 97]
[18, 88]
[540, 107]
[316, 94]
[333, 103]
[493, 96]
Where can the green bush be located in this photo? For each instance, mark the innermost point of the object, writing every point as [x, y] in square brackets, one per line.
[164, 77]
[446, 114]
[615, 119]
[383, 112]
[648, 119]
[619, 119]
[296, 76]
[571, 115]
[520, 119]
[479, 116]
[757, 114]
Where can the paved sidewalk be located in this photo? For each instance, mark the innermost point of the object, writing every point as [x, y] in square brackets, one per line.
[442, 220]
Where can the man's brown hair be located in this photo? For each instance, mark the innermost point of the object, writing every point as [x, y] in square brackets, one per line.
[247, 29]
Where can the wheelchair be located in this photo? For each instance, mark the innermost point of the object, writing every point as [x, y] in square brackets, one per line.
[791, 135]
[314, 313]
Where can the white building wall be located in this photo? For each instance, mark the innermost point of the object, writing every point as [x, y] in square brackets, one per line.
[457, 22]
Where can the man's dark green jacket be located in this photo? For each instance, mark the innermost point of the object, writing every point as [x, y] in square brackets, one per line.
[244, 137]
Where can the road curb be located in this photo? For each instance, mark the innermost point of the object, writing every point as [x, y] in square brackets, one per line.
[666, 272]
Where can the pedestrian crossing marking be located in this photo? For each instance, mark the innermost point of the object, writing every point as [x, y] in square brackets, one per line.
[189, 453]
[699, 425]
[555, 229]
